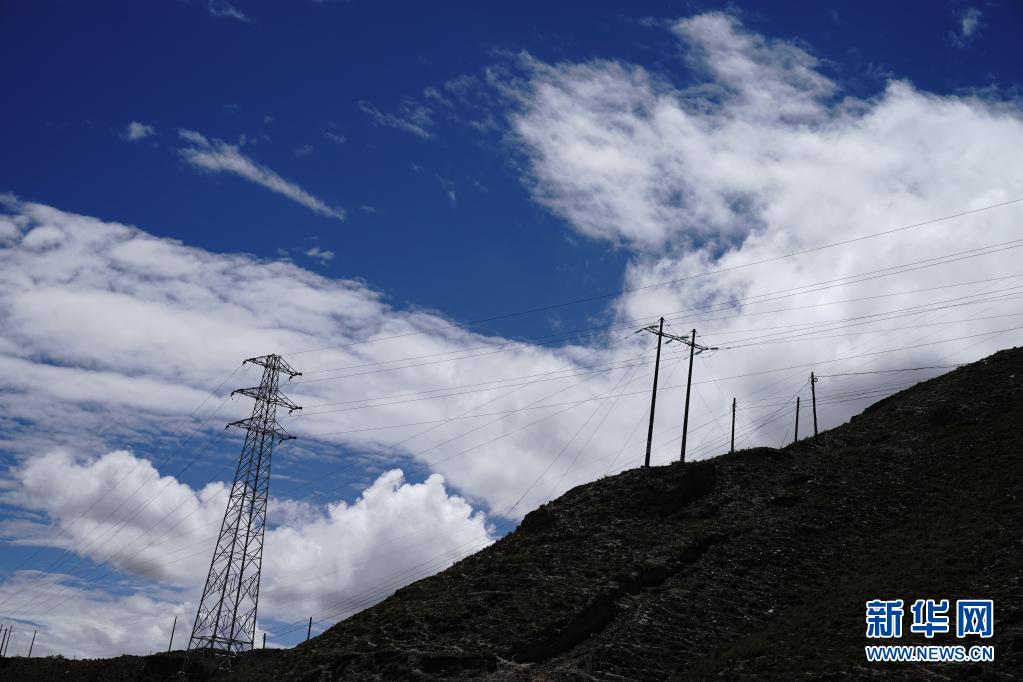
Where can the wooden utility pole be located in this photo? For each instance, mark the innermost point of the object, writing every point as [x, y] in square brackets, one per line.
[694, 349]
[264, 640]
[3, 639]
[32, 643]
[689, 386]
[733, 426]
[813, 395]
[653, 397]
[309, 632]
[795, 437]
[173, 628]
[10, 635]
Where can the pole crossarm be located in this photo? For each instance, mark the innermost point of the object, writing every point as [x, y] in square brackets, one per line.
[683, 339]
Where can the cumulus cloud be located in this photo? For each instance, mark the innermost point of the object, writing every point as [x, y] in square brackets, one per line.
[216, 156]
[116, 509]
[138, 131]
[329, 560]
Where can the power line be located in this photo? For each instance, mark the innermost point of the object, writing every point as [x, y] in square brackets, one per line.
[678, 280]
[748, 300]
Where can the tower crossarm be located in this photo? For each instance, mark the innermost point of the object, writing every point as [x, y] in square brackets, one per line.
[277, 398]
[257, 426]
[277, 362]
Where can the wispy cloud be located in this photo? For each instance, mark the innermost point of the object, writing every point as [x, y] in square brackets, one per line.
[336, 138]
[302, 150]
[136, 131]
[322, 255]
[411, 117]
[217, 156]
[970, 24]
[970, 21]
[225, 10]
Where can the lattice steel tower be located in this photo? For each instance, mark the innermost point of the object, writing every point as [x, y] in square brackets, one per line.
[226, 620]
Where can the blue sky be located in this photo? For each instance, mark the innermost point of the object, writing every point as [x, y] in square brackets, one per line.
[329, 175]
[82, 74]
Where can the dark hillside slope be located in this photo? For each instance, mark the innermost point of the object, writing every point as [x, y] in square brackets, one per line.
[753, 564]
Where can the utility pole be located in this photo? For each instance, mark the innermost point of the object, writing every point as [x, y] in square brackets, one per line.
[7, 644]
[225, 622]
[658, 330]
[694, 349]
[733, 426]
[653, 396]
[264, 640]
[795, 436]
[309, 632]
[32, 643]
[813, 395]
[3, 639]
[173, 628]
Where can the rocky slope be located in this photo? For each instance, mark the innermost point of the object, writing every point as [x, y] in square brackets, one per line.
[752, 564]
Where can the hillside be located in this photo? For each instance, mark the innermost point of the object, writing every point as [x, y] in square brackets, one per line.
[757, 563]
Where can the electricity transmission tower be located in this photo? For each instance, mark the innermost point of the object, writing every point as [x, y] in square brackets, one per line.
[225, 623]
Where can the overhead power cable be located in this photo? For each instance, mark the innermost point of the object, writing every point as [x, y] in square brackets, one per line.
[678, 280]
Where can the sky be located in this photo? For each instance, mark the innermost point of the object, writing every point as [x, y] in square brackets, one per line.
[453, 219]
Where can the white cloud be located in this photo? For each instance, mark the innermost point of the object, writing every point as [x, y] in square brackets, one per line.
[219, 157]
[135, 526]
[225, 10]
[316, 559]
[323, 255]
[85, 622]
[623, 155]
[8, 231]
[412, 117]
[91, 304]
[138, 131]
[336, 138]
[766, 156]
[970, 24]
[302, 150]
